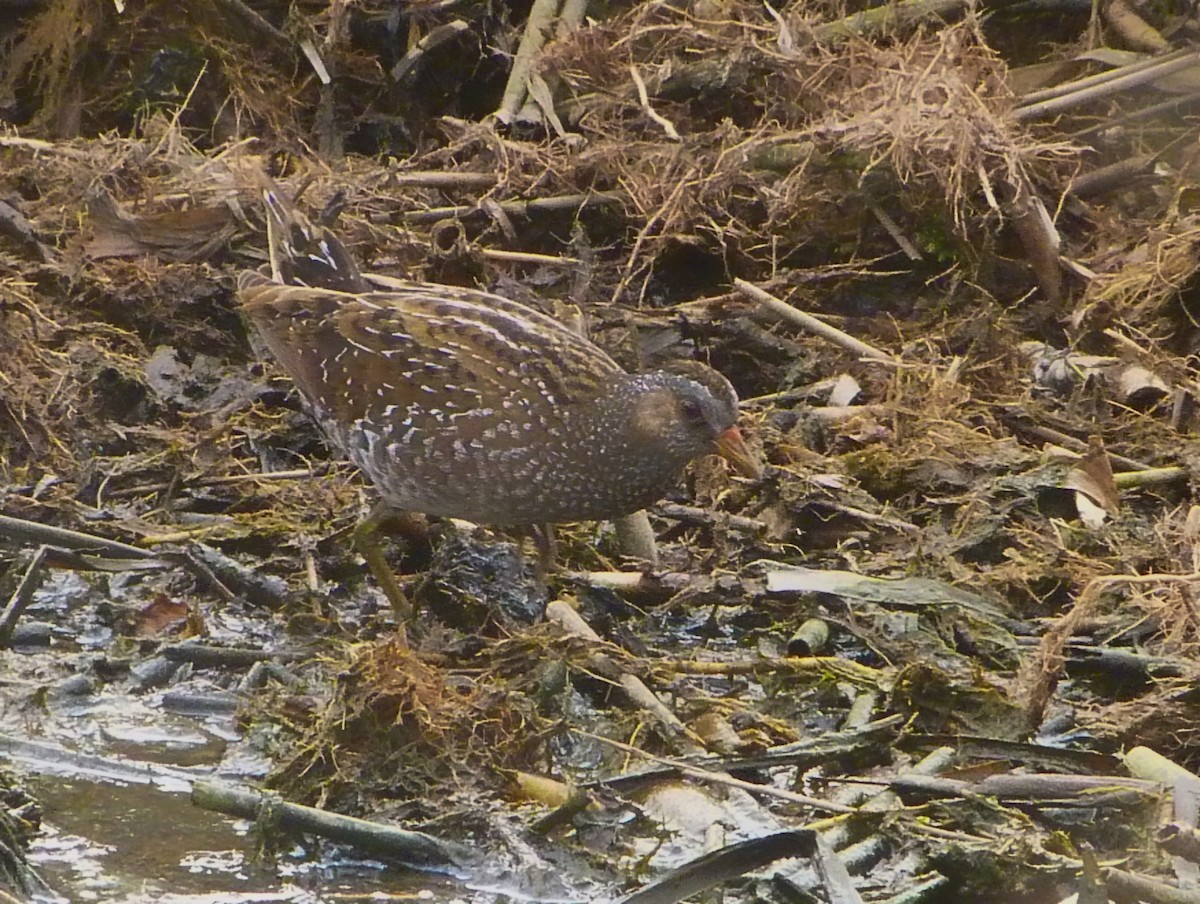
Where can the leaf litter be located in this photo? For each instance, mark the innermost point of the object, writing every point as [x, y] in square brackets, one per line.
[984, 525]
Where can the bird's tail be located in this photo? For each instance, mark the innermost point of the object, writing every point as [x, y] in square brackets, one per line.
[304, 253]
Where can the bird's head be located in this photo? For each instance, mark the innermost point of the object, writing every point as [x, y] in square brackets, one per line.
[691, 410]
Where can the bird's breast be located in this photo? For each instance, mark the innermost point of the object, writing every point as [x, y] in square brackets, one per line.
[499, 471]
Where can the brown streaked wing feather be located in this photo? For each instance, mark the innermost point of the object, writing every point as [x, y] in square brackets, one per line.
[353, 355]
[570, 365]
[299, 326]
[498, 342]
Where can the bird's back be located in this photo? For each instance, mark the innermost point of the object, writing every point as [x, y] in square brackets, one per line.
[453, 351]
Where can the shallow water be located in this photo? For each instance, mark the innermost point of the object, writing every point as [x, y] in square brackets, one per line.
[125, 843]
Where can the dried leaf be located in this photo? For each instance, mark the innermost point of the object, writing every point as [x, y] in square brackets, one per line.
[180, 235]
[1092, 480]
[846, 391]
[162, 616]
[716, 733]
[1141, 389]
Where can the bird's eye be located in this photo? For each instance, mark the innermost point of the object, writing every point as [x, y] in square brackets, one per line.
[692, 410]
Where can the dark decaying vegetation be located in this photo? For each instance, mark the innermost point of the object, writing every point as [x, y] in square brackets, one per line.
[954, 629]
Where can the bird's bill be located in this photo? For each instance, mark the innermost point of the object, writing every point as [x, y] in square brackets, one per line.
[732, 447]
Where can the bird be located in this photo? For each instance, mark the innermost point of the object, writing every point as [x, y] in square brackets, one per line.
[460, 403]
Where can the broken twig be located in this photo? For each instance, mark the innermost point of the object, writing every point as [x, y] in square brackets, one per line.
[815, 325]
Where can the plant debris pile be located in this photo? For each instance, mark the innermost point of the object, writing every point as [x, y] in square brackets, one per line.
[966, 585]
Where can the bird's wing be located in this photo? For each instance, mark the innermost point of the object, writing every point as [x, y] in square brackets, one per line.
[423, 349]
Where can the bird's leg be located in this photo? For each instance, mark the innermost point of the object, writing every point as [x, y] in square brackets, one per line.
[547, 549]
[635, 537]
[366, 541]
